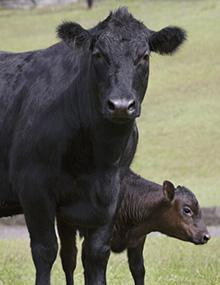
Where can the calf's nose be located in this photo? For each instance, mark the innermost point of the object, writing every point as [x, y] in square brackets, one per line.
[206, 238]
[121, 108]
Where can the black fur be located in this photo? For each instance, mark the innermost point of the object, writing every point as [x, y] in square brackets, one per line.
[71, 33]
[167, 40]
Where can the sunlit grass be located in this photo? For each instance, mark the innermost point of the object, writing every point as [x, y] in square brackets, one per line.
[168, 261]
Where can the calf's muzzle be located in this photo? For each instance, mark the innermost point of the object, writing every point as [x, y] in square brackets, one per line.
[201, 238]
[206, 238]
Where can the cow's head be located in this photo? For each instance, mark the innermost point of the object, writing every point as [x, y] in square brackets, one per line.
[181, 216]
[120, 49]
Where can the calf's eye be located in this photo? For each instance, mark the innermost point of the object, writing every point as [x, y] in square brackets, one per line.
[187, 211]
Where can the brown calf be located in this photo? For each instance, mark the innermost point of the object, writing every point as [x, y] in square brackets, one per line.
[145, 207]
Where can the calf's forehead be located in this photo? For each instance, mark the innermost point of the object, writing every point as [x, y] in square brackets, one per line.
[187, 197]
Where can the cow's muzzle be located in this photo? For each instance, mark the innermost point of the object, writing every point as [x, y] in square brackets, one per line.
[119, 109]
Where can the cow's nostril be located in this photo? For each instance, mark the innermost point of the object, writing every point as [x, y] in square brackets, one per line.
[111, 105]
[121, 108]
[206, 237]
[131, 106]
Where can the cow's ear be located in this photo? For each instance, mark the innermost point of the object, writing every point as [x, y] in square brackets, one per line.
[167, 40]
[168, 190]
[74, 35]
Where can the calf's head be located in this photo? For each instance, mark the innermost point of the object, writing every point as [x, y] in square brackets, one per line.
[118, 50]
[181, 216]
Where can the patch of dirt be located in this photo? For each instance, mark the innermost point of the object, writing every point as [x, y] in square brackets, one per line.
[214, 231]
[20, 232]
[13, 232]
[211, 216]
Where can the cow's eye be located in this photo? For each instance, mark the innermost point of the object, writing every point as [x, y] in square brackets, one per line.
[143, 59]
[187, 211]
[100, 57]
[146, 56]
[97, 54]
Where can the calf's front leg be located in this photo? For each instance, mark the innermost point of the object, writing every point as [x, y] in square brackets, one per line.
[136, 262]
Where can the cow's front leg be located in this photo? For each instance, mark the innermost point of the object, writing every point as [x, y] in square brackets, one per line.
[68, 250]
[39, 209]
[136, 262]
[95, 255]
[44, 246]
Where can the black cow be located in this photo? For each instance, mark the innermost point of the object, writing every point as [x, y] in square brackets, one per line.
[68, 130]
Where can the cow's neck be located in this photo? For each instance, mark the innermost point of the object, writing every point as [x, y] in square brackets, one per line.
[110, 141]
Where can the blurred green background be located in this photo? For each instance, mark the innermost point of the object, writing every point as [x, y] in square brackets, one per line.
[179, 128]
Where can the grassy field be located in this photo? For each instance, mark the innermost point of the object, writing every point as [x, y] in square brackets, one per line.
[168, 262]
[179, 127]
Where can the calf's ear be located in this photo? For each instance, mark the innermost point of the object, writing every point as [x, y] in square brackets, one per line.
[168, 190]
[74, 35]
[167, 40]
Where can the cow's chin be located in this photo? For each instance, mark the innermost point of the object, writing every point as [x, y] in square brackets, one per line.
[121, 120]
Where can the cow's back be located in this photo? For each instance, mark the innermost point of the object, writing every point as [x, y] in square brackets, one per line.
[31, 74]
[10, 71]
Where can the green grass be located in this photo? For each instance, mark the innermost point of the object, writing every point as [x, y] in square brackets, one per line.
[167, 261]
[179, 126]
